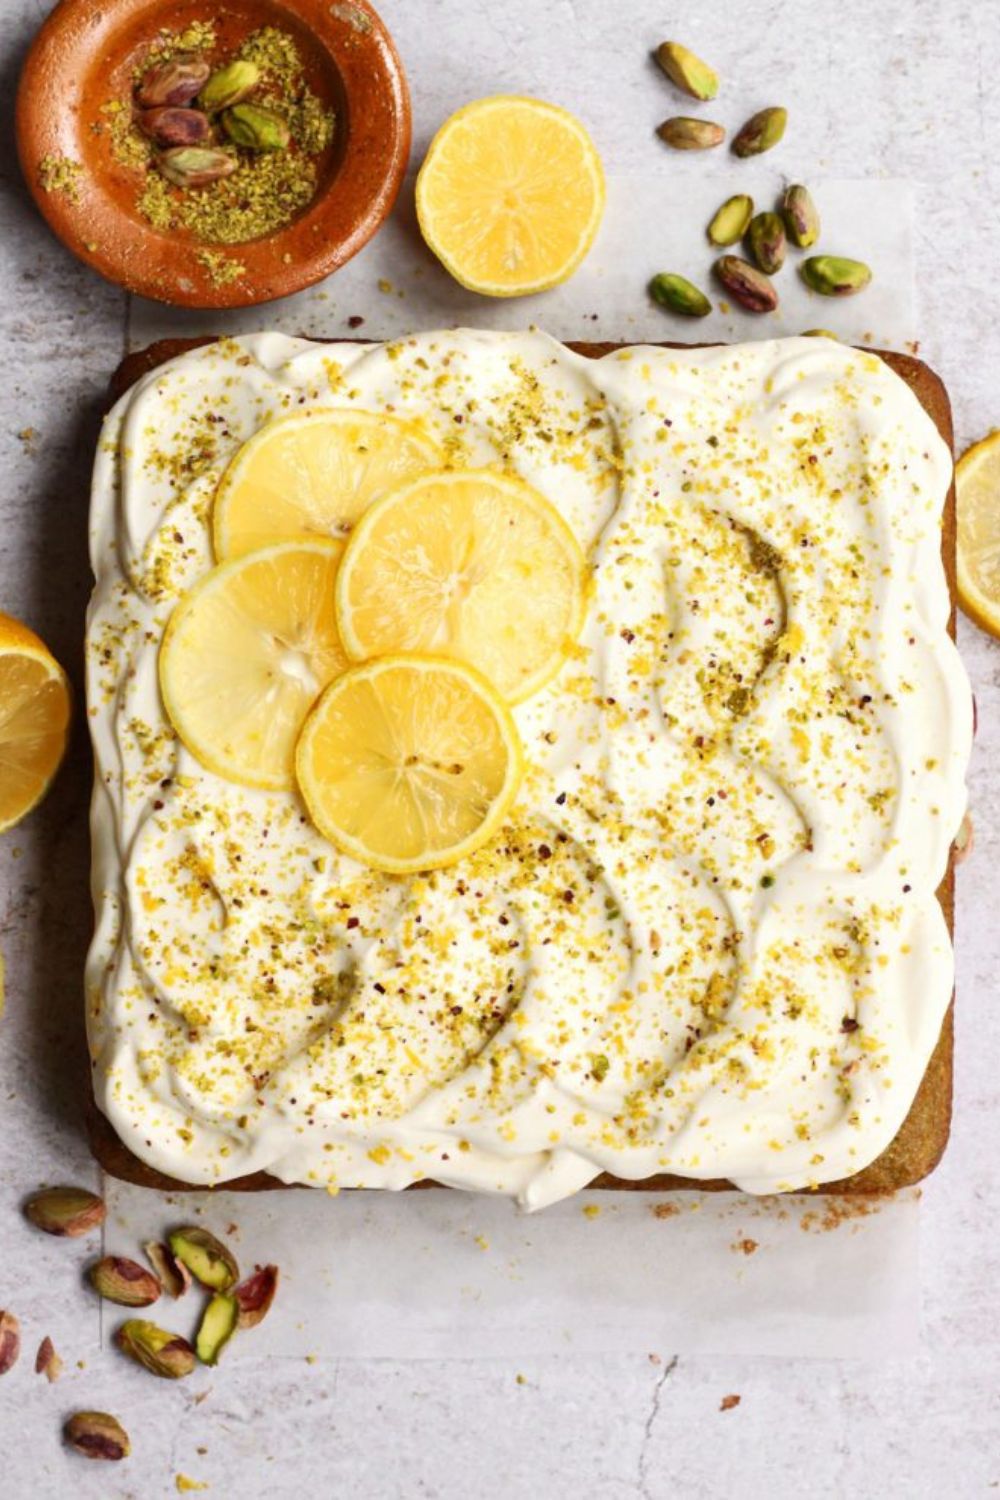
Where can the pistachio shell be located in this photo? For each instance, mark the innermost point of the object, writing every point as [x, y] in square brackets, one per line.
[10, 1341]
[208, 1259]
[255, 1295]
[679, 295]
[686, 134]
[835, 275]
[47, 1361]
[97, 1434]
[761, 132]
[172, 1274]
[69, 1211]
[688, 72]
[731, 221]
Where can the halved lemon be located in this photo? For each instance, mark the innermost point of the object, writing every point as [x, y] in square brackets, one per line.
[409, 763]
[34, 719]
[977, 481]
[312, 475]
[469, 564]
[246, 654]
[510, 195]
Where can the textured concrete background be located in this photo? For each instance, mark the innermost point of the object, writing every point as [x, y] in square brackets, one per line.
[905, 88]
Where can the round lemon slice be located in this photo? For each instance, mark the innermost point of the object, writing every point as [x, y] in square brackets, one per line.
[468, 564]
[312, 475]
[34, 719]
[510, 195]
[246, 654]
[409, 763]
[977, 479]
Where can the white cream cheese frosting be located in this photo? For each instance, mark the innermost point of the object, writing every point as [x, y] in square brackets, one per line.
[708, 941]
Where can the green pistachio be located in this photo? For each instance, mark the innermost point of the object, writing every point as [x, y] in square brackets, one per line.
[10, 1341]
[766, 242]
[762, 131]
[217, 1327]
[686, 134]
[162, 1353]
[229, 85]
[196, 166]
[800, 215]
[677, 293]
[257, 129]
[207, 1258]
[687, 71]
[834, 275]
[730, 222]
[819, 333]
[746, 285]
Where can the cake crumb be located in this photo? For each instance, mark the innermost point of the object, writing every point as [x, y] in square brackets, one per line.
[664, 1210]
[745, 1246]
[728, 1402]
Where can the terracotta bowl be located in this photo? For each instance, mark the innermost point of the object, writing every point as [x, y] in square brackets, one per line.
[83, 57]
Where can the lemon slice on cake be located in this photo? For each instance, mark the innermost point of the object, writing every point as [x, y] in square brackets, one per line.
[409, 763]
[510, 195]
[468, 564]
[312, 475]
[34, 719]
[977, 479]
[245, 655]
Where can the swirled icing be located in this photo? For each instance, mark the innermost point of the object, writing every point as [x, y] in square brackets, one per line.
[708, 941]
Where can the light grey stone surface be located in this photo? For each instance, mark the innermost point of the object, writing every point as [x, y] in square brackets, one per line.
[901, 88]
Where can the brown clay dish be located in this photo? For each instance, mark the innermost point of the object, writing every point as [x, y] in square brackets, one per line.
[921, 1140]
[85, 54]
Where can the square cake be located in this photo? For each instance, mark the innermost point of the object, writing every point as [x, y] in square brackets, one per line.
[705, 940]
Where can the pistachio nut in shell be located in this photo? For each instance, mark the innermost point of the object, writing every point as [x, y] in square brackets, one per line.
[218, 1324]
[761, 132]
[47, 1361]
[229, 85]
[196, 166]
[686, 134]
[208, 1259]
[256, 129]
[679, 295]
[255, 1295]
[10, 1341]
[176, 82]
[800, 215]
[169, 127]
[686, 71]
[730, 222]
[162, 1353]
[835, 275]
[67, 1211]
[172, 1274]
[766, 242]
[97, 1434]
[746, 285]
[118, 1279]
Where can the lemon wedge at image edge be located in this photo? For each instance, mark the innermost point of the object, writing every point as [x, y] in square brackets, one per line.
[977, 482]
[34, 719]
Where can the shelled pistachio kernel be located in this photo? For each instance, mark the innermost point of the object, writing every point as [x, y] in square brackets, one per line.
[686, 71]
[679, 295]
[730, 222]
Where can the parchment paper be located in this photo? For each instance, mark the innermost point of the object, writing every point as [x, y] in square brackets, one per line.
[440, 1273]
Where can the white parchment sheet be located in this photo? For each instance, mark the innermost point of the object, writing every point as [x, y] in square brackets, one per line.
[438, 1273]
